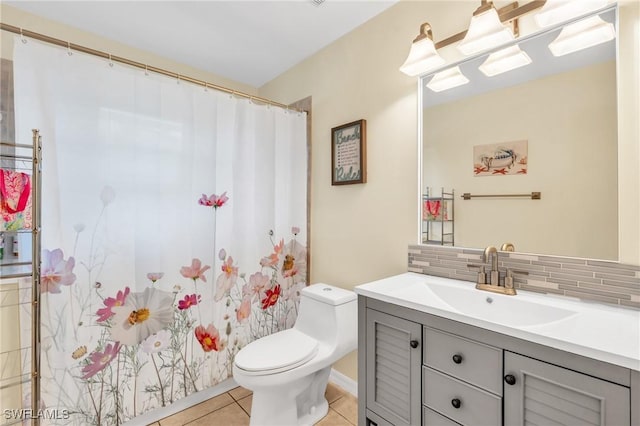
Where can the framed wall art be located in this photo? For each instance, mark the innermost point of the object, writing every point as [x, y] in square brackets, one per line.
[348, 153]
[507, 158]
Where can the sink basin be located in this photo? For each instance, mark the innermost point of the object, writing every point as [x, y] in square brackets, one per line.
[497, 308]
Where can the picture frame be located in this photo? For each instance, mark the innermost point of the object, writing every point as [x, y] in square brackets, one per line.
[349, 153]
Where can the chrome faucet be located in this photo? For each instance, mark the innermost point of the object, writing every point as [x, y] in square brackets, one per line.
[494, 274]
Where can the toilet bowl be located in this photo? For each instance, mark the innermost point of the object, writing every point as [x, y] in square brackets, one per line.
[288, 371]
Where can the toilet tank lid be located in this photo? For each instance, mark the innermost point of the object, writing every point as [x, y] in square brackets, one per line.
[329, 294]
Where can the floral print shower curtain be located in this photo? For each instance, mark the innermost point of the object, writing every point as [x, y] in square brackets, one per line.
[173, 231]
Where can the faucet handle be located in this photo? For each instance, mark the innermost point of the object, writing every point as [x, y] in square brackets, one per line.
[482, 276]
[508, 279]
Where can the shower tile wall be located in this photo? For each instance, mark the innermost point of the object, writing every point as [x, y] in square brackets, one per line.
[594, 280]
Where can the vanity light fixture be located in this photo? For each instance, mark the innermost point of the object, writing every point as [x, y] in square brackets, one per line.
[505, 60]
[485, 30]
[423, 55]
[557, 11]
[581, 35]
[447, 79]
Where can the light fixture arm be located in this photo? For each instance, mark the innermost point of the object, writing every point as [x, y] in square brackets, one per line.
[425, 32]
[484, 6]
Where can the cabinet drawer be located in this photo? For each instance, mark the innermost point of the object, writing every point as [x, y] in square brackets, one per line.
[431, 418]
[476, 406]
[477, 364]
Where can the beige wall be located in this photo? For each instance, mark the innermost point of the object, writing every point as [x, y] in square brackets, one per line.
[570, 122]
[18, 18]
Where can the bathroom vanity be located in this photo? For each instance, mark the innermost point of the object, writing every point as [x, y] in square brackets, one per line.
[436, 351]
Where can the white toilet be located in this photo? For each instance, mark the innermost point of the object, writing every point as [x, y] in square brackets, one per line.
[288, 371]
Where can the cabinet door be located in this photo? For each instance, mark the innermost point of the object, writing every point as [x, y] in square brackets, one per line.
[393, 368]
[544, 394]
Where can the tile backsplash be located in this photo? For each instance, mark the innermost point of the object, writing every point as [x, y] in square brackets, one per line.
[594, 280]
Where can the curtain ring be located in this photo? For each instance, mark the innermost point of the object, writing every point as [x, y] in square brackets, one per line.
[69, 52]
[24, 40]
[177, 78]
[206, 86]
[146, 70]
[110, 61]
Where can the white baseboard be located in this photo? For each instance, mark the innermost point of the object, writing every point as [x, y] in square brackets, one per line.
[345, 382]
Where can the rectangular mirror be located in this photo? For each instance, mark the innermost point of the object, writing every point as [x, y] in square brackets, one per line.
[565, 109]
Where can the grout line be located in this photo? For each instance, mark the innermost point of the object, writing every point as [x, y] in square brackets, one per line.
[232, 397]
[233, 401]
[348, 421]
[248, 414]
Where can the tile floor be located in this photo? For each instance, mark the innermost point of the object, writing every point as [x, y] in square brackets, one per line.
[232, 409]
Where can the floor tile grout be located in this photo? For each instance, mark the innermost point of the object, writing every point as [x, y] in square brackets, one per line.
[346, 419]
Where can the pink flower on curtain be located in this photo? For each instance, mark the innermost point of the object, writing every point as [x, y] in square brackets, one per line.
[110, 302]
[189, 301]
[213, 200]
[243, 312]
[271, 297]
[155, 276]
[56, 271]
[195, 271]
[209, 338]
[274, 257]
[99, 360]
[256, 287]
[226, 280]
[294, 263]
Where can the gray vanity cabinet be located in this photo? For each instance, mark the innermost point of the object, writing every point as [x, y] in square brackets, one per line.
[393, 384]
[420, 369]
[536, 392]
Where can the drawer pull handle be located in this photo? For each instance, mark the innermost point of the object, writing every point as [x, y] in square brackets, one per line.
[457, 358]
[510, 379]
[414, 344]
[456, 403]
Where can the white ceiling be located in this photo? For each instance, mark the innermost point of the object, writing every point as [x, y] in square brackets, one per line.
[251, 42]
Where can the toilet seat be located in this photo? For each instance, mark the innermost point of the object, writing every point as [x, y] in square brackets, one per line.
[277, 352]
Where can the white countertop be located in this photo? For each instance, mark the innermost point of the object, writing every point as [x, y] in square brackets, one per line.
[606, 333]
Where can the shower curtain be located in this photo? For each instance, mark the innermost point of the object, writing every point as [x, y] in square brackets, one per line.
[174, 224]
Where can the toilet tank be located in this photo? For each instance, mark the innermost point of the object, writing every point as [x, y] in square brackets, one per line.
[327, 313]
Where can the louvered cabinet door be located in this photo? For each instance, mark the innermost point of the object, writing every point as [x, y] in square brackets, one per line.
[544, 394]
[394, 358]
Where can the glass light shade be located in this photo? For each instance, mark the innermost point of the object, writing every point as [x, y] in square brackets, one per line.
[581, 35]
[556, 11]
[485, 31]
[505, 60]
[447, 79]
[422, 57]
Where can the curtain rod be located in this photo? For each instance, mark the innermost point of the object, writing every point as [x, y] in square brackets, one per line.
[113, 58]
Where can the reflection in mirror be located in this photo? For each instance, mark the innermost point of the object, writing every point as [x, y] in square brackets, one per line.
[564, 110]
